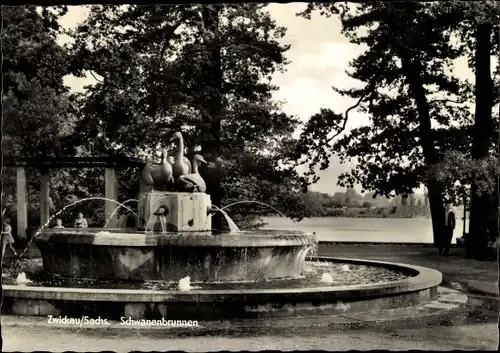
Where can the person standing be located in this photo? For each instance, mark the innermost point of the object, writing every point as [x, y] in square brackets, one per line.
[7, 238]
[81, 222]
[449, 227]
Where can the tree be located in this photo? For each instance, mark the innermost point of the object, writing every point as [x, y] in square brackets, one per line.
[352, 198]
[319, 204]
[459, 172]
[366, 204]
[478, 42]
[484, 133]
[35, 101]
[404, 74]
[201, 69]
[456, 128]
[40, 117]
[379, 201]
[339, 199]
[36, 109]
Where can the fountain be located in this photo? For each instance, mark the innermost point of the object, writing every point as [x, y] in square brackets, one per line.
[177, 265]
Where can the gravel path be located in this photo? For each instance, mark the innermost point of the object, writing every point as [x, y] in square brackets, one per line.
[482, 336]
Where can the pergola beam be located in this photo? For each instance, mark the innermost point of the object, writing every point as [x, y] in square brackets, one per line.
[73, 162]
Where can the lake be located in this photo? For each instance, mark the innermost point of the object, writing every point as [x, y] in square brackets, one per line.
[387, 230]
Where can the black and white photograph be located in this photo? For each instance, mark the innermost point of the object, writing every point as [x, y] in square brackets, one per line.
[250, 176]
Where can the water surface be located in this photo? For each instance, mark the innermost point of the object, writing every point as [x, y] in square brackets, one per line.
[343, 229]
[342, 274]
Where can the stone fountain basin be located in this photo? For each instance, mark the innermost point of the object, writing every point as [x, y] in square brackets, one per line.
[203, 256]
[114, 304]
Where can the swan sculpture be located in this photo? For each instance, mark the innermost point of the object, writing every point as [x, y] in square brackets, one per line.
[158, 174]
[171, 160]
[181, 165]
[193, 182]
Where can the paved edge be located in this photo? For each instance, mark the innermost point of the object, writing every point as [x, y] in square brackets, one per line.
[483, 288]
[381, 243]
[448, 302]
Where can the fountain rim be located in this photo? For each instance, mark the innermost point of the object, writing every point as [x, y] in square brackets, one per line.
[119, 238]
[424, 279]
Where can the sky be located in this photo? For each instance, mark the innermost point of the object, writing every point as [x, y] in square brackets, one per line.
[319, 56]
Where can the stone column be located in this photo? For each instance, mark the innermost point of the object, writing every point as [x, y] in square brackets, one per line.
[144, 190]
[110, 192]
[44, 197]
[21, 203]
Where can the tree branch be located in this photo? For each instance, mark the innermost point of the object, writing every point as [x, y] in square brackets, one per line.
[448, 100]
[346, 114]
[166, 40]
[95, 77]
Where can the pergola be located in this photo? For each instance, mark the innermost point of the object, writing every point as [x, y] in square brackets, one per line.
[45, 164]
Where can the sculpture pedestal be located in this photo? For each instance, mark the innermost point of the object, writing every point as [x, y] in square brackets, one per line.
[185, 211]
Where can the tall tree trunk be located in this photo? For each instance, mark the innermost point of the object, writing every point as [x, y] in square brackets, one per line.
[412, 71]
[480, 211]
[211, 143]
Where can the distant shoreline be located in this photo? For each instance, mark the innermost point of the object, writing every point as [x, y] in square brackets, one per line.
[407, 211]
[373, 216]
[360, 216]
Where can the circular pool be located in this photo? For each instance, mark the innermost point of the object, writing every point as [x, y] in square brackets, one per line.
[364, 286]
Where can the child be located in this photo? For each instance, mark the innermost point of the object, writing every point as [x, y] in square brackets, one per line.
[81, 222]
[7, 238]
[58, 224]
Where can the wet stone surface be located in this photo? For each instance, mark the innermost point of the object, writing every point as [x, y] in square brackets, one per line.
[334, 274]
